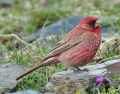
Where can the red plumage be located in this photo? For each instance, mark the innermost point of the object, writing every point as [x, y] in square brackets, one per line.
[77, 49]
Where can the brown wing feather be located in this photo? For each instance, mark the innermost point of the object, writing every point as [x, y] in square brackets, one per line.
[63, 47]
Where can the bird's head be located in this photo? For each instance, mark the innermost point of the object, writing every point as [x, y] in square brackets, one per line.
[90, 23]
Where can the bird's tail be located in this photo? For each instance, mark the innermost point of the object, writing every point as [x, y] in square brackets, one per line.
[47, 62]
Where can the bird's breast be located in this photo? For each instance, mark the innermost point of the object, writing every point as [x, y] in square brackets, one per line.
[93, 44]
[80, 54]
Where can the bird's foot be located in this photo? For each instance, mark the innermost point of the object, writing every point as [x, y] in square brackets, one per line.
[77, 69]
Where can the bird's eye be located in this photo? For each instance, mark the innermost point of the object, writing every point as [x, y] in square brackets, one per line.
[93, 24]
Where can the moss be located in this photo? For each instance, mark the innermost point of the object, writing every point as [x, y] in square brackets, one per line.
[78, 91]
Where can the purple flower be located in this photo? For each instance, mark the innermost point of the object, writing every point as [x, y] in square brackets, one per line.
[99, 80]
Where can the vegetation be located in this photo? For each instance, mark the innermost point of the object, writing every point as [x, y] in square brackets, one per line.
[24, 17]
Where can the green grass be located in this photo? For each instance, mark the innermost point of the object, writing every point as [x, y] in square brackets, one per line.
[13, 21]
[38, 79]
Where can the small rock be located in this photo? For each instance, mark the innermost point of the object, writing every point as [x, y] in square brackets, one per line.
[26, 92]
[6, 3]
[8, 74]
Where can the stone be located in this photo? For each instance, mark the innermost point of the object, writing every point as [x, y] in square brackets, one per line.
[8, 74]
[6, 3]
[26, 92]
[77, 82]
[69, 82]
[55, 29]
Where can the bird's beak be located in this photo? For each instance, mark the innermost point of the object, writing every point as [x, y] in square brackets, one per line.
[98, 23]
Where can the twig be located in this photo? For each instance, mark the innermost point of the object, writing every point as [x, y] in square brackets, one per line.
[7, 36]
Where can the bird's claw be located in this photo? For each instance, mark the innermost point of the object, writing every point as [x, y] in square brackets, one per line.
[77, 69]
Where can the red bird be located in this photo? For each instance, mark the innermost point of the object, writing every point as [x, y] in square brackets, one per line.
[77, 49]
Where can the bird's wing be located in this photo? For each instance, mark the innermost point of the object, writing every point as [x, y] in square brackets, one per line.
[63, 46]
